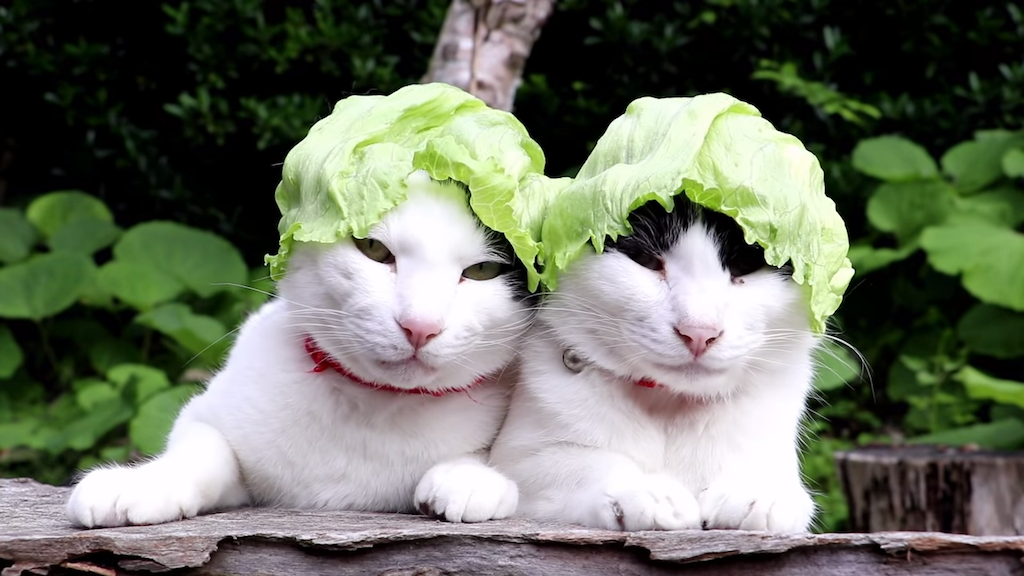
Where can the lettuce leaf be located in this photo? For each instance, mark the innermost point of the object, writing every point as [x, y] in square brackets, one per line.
[351, 168]
[723, 156]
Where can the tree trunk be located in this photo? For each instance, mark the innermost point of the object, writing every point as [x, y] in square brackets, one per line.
[484, 45]
[933, 489]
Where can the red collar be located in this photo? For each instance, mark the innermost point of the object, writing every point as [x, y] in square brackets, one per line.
[575, 363]
[323, 361]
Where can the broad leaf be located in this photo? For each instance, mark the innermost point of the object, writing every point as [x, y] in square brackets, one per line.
[139, 285]
[10, 354]
[836, 367]
[1004, 207]
[905, 208]
[990, 258]
[17, 238]
[94, 392]
[867, 258]
[893, 159]
[83, 432]
[981, 386]
[1013, 163]
[84, 235]
[155, 418]
[993, 331]
[197, 259]
[1000, 435]
[138, 380]
[52, 211]
[43, 285]
[976, 164]
[197, 333]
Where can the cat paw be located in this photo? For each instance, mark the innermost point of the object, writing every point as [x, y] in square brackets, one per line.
[466, 491]
[647, 502]
[741, 506]
[126, 496]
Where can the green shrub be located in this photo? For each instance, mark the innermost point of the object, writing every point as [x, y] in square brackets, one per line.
[106, 332]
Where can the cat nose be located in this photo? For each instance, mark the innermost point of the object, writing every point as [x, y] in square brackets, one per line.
[698, 338]
[418, 332]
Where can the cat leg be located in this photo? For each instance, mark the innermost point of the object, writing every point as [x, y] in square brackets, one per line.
[466, 489]
[197, 472]
[602, 489]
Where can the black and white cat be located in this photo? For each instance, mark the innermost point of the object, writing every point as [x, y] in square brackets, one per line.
[663, 385]
[374, 382]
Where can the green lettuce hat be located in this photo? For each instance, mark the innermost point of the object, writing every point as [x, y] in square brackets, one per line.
[723, 156]
[351, 168]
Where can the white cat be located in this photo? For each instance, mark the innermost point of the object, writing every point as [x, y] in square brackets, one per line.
[374, 382]
[663, 385]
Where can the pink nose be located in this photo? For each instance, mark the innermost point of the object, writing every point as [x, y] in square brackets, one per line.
[698, 338]
[419, 332]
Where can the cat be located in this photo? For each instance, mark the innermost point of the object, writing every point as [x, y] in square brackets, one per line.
[375, 381]
[663, 385]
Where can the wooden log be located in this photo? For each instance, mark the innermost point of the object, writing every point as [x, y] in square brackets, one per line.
[35, 538]
[933, 488]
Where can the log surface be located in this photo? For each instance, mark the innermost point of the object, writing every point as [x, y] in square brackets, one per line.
[35, 538]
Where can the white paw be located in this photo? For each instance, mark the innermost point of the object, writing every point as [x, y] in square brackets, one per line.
[646, 502]
[786, 509]
[466, 491]
[124, 496]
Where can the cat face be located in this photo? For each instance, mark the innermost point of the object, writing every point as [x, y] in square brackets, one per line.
[431, 299]
[683, 301]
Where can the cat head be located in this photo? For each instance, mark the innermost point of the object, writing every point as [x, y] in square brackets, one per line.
[683, 301]
[431, 299]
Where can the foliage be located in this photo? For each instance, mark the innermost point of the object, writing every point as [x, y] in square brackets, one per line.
[99, 325]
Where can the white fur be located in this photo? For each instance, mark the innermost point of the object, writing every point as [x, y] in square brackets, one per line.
[269, 431]
[715, 446]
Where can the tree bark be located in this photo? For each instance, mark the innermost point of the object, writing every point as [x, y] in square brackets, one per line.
[484, 45]
[36, 538]
[933, 489]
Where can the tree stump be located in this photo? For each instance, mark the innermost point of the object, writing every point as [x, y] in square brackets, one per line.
[930, 488]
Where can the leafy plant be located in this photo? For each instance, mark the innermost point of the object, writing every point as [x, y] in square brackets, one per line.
[106, 332]
[958, 372]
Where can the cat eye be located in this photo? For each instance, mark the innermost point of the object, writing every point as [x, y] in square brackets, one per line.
[647, 260]
[483, 271]
[375, 250]
[745, 261]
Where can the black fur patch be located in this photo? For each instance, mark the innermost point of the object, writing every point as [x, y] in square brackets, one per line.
[656, 231]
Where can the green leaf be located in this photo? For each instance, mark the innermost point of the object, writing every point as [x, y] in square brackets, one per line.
[999, 435]
[95, 392]
[85, 431]
[195, 332]
[139, 285]
[146, 380]
[43, 285]
[976, 164]
[149, 428]
[867, 258]
[905, 208]
[993, 331]
[836, 367]
[893, 159]
[1004, 207]
[981, 386]
[10, 354]
[197, 259]
[1013, 163]
[52, 211]
[84, 235]
[17, 238]
[990, 258]
[19, 433]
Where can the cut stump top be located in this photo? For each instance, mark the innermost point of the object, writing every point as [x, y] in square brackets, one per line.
[36, 538]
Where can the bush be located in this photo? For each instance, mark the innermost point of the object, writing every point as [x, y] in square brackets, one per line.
[106, 331]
